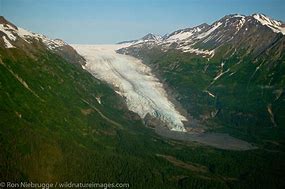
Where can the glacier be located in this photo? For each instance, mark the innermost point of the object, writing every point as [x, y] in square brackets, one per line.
[133, 80]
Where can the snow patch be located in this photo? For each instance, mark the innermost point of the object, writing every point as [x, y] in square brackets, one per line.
[220, 74]
[240, 23]
[238, 16]
[8, 31]
[205, 34]
[13, 33]
[198, 51]
[182, 35]
[98, 100]
[50, 43]
[7, 43]
[274, 25]
[210, 94]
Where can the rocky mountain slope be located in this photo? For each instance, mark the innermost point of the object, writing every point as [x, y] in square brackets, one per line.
[60, 124]
[56, 119]
[229, 73]
[257, 31]
[12, 36]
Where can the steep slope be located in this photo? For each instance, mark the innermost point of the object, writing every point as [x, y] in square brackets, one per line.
[230, 73]
[60, 124]
[183, 34]
[12, 36]
[52, 112]
[255, 32]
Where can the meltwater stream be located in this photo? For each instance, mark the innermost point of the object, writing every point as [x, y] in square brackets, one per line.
[143, 92]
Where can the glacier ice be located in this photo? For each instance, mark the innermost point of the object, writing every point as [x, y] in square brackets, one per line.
[142, 90]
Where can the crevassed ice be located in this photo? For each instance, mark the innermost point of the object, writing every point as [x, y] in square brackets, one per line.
[142, 90]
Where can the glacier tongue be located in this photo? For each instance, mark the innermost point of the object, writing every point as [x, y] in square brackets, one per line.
[142, 90]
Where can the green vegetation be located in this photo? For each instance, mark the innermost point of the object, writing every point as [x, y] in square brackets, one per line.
[245, 93]
[53, 129]
[246, 90]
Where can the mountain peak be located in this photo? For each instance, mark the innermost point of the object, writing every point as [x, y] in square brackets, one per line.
[236, 15]
[4, 21]
[265, 19]
[11, 33]
[185, 33]
[261, 15]
[274, 25]
[151, 36]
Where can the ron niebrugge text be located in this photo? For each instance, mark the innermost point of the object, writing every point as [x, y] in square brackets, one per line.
[62, 185]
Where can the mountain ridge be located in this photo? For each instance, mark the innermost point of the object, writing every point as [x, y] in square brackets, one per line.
[219, 32]
[235, 46]
[12, 36]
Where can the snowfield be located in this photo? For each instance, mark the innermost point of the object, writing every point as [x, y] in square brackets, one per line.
[133, 80]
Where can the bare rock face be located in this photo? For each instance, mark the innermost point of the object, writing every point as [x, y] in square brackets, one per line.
[132, 116]
[69, 54]
[153, 122]
[6, 22]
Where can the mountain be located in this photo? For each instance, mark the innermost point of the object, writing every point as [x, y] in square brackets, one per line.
[57, 122]
[12, 36]
[149, 38]
[235, 30]
[229, 74]
[185, 33]
[60, 124]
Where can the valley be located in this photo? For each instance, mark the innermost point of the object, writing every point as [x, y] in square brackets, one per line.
[144, 94]
[201, 107]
